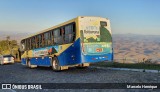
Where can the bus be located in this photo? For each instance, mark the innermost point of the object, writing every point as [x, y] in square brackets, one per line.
[77, 42]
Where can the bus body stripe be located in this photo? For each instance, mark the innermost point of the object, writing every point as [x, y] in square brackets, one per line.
[72, 55]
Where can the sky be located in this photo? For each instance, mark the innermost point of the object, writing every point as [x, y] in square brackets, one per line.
[126, 16]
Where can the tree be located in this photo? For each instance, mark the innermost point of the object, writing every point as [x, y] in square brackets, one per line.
[8, 47]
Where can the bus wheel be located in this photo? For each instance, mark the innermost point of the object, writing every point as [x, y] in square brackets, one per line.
[31, 66]
[55, 64]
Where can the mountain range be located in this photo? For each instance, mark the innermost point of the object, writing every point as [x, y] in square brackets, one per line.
[13, 35]
[128, 48]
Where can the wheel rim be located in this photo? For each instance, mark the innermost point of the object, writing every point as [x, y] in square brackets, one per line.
[54, 64]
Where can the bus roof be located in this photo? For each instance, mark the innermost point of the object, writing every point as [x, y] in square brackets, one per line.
[56, 26]
[48, 29]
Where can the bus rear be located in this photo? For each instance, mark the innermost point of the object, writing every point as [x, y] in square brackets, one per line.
[96, 39]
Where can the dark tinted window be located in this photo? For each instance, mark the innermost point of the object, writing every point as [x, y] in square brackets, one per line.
[69, 33]
[103, 23]
[33, 43]
[46, 38]
[28, 43]
[62, 35]
[58, 36]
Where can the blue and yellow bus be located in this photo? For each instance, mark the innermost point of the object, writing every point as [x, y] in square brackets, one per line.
[77, 42]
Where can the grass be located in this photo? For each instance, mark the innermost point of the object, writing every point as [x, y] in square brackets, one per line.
[125, 65]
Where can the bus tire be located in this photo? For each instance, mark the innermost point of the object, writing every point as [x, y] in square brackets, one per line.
[30, 65]
[55, 64]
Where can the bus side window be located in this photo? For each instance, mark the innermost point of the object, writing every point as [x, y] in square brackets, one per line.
[56, 34]
[45, 39]
[32, 42]
[49, 38]
[38, 41]
[35, 41]
[27, 43]
[69, 33]
[62, 36]
[52, 37]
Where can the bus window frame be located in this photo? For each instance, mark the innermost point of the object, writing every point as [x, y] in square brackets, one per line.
[51, 37]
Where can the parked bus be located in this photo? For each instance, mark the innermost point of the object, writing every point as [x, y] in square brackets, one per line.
[77, 42]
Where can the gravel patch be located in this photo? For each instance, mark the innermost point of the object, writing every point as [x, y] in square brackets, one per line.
[17, 73]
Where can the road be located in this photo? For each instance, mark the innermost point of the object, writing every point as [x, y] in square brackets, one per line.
[17, 73]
